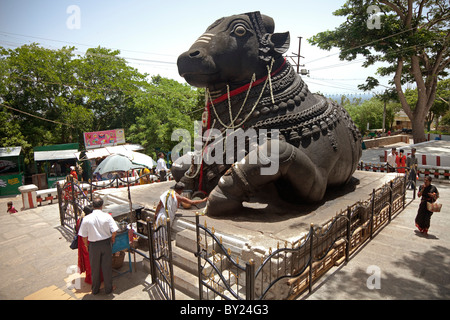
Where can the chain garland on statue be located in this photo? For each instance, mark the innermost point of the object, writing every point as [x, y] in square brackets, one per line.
[232, 120]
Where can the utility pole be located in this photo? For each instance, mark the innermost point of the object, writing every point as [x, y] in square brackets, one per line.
[298, 56]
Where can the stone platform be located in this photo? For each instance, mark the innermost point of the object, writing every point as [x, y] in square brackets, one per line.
[259, 224]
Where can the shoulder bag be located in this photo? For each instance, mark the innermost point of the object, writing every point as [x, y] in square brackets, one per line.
[434, 207]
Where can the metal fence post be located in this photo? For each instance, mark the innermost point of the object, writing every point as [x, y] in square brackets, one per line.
[349, 225]
[150, 248]
[90, 187]
[250, 280]
[199, 261]
[372, 214]
[169, 247]
[404, 192]
[74, 202]
[390, 200]
[311, 238]
[59, 192]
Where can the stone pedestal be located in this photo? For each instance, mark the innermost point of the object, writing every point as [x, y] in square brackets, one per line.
[28, 196]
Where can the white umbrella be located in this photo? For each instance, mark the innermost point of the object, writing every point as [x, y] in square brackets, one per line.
[116, 162]
[141, 159]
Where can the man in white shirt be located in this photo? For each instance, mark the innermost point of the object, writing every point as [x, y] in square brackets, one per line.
[99, 228]
[161, 167]
[391, 160]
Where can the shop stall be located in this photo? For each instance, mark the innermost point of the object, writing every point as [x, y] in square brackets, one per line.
[11, 170]
[52, 163]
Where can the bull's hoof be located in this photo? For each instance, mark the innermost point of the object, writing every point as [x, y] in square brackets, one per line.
[219, 204]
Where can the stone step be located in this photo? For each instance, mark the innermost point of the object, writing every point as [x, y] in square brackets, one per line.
[185, 260]
[185, 282]
[186, 239]
[189, 262]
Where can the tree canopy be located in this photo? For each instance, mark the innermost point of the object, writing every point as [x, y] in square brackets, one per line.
[411, 39]
[53, 96]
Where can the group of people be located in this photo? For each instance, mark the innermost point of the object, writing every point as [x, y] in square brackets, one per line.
[161, 170]
[97, 232]
[399, 162]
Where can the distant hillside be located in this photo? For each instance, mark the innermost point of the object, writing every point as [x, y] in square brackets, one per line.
[337, 97]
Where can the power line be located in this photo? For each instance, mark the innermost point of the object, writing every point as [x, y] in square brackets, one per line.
[363, 45]
[81, 44]
[35, 116]
[12, 44]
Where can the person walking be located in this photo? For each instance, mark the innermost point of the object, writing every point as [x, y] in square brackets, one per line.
[429, 193]
[411, 164]
[161, 167]
[100, 229]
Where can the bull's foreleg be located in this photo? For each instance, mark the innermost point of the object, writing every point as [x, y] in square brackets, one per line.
[245, 178]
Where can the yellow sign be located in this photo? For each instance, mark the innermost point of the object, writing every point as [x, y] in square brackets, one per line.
[13, 181]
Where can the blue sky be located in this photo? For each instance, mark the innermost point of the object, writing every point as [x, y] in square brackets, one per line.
[151, 34]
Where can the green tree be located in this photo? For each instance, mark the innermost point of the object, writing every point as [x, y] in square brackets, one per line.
[371, 112]
[411, 39]
[10, 132]
[52, 97]
[164, 106]
[55, 96]
[108, 86]
[33, 81]
[442, 102]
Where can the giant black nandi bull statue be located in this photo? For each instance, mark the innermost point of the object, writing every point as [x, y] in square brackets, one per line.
[251, 86]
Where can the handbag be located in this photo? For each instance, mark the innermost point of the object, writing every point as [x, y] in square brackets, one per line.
[74, 244]
[434, 207]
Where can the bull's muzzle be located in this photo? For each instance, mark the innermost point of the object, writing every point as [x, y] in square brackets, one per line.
[197, 67]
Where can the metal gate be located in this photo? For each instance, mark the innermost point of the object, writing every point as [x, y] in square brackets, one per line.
[303, 262]
[71, 201]
[161, 264]
[220, 275]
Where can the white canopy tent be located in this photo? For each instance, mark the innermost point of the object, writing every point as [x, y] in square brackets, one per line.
[107, 151]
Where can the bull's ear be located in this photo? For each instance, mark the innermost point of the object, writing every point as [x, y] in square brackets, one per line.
[281, 42]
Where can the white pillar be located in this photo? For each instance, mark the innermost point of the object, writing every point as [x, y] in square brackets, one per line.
[28, 196]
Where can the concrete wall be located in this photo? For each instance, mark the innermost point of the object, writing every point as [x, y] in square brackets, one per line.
[385, 141]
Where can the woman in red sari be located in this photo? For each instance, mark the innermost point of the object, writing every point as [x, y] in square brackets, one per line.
[83, 255]
[400, 160]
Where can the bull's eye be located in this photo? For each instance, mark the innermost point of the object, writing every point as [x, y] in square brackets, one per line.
[240, 30]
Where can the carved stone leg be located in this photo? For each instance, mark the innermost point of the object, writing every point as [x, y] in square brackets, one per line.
[244, 178]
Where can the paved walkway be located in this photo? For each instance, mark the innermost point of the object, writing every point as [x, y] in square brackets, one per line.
[398, 263]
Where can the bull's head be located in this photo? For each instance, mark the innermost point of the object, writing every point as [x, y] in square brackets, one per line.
[231, 50]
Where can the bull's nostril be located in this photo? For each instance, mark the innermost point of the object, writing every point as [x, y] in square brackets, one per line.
[194, 54]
